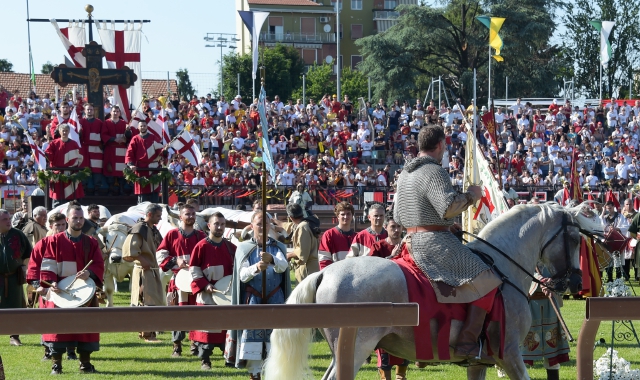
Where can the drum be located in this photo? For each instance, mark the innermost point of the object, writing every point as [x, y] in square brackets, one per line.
[80, 293]
[222, 295]
[615, 241]
[183, 281]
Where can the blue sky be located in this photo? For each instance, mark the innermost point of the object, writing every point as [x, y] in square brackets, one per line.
[173, 39]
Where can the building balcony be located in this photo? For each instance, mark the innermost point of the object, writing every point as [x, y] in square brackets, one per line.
[385, 15]
[314, 38]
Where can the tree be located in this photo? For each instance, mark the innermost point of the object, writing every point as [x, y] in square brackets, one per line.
[6, 66]
[185, 87]
[47, 68]
[452, 43]
[318, 82]
[582, 45]
[354, 83]
[283, 72]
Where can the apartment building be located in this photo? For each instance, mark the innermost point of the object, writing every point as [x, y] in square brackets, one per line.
[310, 26]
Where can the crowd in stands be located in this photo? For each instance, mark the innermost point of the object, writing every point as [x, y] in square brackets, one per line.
[333, 145]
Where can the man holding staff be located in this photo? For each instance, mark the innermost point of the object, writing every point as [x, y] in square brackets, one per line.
[141, 247]
[173, 254]
[65, 254]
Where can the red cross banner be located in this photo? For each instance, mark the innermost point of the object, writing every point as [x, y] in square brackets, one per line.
[76, 127]
[122, 48]
[72, 38]
[185, 146]
[154, 128]
[38, 154]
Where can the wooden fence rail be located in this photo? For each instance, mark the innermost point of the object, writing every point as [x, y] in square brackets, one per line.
[348, 317]
[601, 309]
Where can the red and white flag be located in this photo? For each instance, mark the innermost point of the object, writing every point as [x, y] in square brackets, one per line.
[185, 146]
[76, 127]
[38, 154]
[163, 120]
[154, 128]
[122, 48]
[72, 38]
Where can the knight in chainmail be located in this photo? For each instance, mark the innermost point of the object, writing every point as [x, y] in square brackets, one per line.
[425, 204]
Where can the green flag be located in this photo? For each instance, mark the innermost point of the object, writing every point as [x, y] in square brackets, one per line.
[604, 27]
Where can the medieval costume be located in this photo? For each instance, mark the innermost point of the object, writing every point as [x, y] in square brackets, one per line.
[364, 240]
[546, 340]
[64, 154]
[425, 204]
[64, 256]
[177, 244]
[245, 348]
[92, 151]
[334, 246]
[305, 247]
[14, 249]
[143, 152]
[209, 263]
[146, 284]
[114, 152]
[34, 231]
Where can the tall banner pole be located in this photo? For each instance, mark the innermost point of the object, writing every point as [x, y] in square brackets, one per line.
[489, 100]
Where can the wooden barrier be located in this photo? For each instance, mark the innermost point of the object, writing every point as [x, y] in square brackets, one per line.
[348, 317]
[601, 309]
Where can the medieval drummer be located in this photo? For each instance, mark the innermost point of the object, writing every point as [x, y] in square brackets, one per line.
[425, 205]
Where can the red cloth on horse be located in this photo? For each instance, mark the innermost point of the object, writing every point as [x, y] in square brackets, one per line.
[421, 292]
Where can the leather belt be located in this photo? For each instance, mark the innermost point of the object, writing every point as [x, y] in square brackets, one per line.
[538, 296]
[413, 230]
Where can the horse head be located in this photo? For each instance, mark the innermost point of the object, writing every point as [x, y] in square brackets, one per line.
[114, 238]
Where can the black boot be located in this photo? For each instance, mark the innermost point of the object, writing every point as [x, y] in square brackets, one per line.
[177, 349]
[47, 354]
[14, 340]
[553, 374]
[56, 364]
[206, 363]
[71, 354]
[85, 363]
[467, 345]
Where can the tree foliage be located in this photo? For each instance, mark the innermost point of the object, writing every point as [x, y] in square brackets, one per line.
[432, 41]
[283, 72]
[318, 82]
[6, 66]
[582, 45]
[354, 83]
[185, 87]
[47, 68]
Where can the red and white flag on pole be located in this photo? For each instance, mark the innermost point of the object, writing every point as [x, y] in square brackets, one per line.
[122, 48]
[185, 146]
[163, 120]
[38, 154]
[154, 128]
[72, 38]
[76, 127]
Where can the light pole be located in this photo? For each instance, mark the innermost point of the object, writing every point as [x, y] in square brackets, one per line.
[222, 39]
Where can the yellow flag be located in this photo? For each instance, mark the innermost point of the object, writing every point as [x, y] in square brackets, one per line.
[495, 41]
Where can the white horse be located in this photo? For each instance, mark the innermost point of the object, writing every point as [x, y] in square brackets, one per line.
[528, 234]
[104, 212]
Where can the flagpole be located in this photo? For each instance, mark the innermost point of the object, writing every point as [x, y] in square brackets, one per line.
[600, 78]
[489, 100]
[475, 122]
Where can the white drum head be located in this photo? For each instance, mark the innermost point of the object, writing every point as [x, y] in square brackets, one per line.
[80, 293]
[183, 280]
[223, 294]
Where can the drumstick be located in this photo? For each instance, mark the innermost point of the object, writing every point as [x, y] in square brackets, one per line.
[83, 269]
[552, 301]
[63, 290]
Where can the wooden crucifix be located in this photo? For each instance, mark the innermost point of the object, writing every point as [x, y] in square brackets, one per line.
[94, 77]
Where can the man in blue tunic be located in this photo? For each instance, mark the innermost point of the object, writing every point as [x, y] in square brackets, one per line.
[247, 348]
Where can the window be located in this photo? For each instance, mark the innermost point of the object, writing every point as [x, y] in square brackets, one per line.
[390, 4]
[309, 56]
[334, 5]
[355, 59]
[356, 5]
[356, 31]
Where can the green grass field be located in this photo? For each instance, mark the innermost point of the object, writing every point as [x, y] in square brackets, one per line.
[123, 355]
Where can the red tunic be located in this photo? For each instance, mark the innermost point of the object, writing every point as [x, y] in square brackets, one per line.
[92, 144]
[175, 244]
[62, 154]
[56, 122]
[364, 241]
[114, 152]
[209, 263]
[35, 261]
[64, 258]
[143, 151]
[334, 246]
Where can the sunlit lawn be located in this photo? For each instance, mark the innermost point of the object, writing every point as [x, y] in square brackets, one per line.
[123, 355]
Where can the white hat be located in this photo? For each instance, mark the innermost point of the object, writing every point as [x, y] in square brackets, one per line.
[555, 101]
[238, 96]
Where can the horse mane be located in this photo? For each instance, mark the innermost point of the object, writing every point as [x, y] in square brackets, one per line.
[541, 213]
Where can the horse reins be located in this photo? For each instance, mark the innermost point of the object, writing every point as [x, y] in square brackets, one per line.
[489, 260]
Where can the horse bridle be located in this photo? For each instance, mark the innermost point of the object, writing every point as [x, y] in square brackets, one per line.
[558, 278]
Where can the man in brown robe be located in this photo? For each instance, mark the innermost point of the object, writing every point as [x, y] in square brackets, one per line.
[140, 247]
[304, 241]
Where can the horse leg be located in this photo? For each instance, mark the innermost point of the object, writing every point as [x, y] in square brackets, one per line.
[513, 366]
[476, 372]
[366, 341]
[109, 286]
